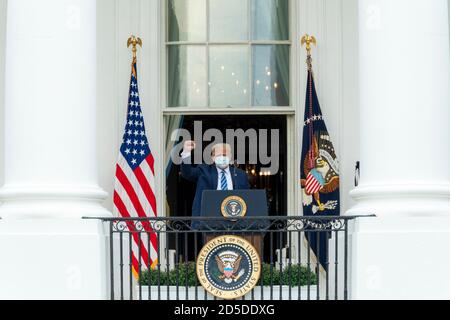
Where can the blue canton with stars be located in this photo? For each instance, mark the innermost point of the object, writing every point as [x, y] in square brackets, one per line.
[135, 146]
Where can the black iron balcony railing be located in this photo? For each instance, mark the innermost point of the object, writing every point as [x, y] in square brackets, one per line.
[302, 258]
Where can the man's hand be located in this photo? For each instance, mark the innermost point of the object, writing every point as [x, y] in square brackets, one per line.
[189, 146]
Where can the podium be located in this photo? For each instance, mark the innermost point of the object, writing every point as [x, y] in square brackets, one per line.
[230, 204]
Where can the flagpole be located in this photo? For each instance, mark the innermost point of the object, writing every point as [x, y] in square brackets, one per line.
[127, 201]
[308, 40]
[134, 41]
[311, 154]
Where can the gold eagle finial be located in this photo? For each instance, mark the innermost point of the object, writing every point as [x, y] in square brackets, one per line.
[134, 41]
[307, 39]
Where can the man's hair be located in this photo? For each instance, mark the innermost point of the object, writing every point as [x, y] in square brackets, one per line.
[221, 146]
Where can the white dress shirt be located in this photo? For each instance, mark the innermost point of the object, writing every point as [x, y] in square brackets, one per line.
[227, 175]
[185, 155]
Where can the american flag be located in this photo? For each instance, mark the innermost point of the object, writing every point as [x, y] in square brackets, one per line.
[134, 188]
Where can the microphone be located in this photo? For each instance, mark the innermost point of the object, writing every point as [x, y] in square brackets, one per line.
[234, 168]
[234, 175]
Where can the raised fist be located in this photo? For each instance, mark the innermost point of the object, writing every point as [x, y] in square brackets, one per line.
[189, 146]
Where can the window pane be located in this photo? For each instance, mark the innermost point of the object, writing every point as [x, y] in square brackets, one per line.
[270, 75]
[228, 20]
[187, 20]
[270, 19]
[228, 73]
[186, 76]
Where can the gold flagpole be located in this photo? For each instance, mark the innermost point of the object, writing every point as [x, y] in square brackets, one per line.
[308, 40]
[134, 41]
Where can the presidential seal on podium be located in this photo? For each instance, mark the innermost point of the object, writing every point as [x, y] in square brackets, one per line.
[228, 267]
[233, 206]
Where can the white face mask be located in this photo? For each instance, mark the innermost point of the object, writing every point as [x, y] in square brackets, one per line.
[222, 162]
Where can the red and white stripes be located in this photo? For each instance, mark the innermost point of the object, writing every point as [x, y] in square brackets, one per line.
[134, 197]
[312, 184]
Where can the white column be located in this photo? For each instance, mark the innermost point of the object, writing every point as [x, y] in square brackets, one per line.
[46, 249]
[405, 151]
[50, 109]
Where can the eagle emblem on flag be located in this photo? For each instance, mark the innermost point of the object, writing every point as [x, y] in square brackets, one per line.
[321, 170]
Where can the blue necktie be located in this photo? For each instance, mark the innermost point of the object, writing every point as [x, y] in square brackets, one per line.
[223, 181]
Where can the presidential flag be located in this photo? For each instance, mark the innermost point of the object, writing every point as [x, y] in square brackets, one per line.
[319, 172]
[134, 191]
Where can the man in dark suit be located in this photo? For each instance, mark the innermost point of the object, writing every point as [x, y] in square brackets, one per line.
[218, 176]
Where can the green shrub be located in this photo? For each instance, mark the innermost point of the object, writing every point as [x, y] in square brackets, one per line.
[171, 277]
[291, 275]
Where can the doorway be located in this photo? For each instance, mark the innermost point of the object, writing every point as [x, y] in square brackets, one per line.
[180, 192]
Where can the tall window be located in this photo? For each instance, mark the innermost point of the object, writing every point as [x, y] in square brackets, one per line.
[228, 53]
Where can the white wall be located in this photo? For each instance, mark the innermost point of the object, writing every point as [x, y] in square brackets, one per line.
[349, 119]
[335, 64]
[2, 80]
[108, 93]
[117, 20]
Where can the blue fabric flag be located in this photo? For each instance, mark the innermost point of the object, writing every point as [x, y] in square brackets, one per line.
[319, 173]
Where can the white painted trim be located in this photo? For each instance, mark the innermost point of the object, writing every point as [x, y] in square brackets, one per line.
[207, 44]
[289, 111]
[291, 165]
[222, 111]
[3, 5]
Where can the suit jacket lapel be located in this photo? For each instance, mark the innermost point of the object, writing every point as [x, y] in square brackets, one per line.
[233, 178]
[214, 177]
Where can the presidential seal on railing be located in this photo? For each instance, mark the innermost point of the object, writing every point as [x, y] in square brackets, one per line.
[228, 267]
[233, 206]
